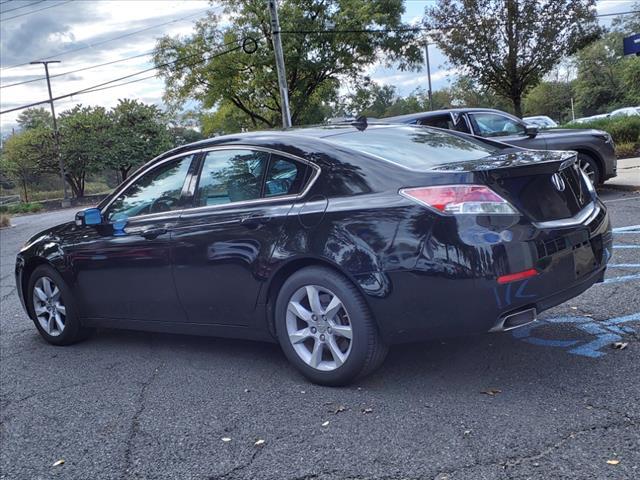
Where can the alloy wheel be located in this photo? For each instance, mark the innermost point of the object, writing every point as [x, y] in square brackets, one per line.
[319, 328]
[49, 307]
[588, 169]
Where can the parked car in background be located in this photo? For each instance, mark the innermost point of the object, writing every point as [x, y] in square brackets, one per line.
[625, 112]
[540, 121]
[335, 242]
[596, 153]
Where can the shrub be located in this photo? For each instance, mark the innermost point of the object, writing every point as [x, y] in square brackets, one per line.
[622, 129]
[24, 207]
[5, 220]
[627, 150]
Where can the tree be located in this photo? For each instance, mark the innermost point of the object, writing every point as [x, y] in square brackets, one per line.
[25, 155]
[35, 118]
[551, 98]
[605, 78]
[509, 45]
[138, 134]
[86, 141]
[317, 62]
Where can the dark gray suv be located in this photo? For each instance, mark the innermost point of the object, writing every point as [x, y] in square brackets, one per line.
[595, 148]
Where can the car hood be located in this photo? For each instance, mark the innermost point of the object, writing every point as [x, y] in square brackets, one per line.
[52, 234]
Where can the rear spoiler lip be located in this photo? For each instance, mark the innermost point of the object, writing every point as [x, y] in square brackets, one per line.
[516, 163]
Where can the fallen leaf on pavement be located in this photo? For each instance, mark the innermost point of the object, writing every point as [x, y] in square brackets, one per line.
[325, 424]
[620, 345]
[226, 439]
[492, 392]
[367, 410]
[259, 442]
[338, 409]
[613, 462]
[573, 308]
[58, 463]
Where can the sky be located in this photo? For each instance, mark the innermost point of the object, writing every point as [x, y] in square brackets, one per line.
[40, 29]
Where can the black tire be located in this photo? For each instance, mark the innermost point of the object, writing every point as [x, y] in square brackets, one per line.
[367, 349]
[583, 159]
[73, 330]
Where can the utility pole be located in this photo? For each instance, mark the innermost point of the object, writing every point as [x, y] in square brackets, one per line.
[282, 76]
[426, 54]
[65, 201]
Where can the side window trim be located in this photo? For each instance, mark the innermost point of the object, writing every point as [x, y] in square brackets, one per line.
[308, 184]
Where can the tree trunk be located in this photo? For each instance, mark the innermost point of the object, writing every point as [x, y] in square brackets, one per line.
[517, 105]
[124, 172]
[26, 192]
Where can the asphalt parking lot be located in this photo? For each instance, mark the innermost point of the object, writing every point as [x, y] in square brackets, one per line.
[554, 401]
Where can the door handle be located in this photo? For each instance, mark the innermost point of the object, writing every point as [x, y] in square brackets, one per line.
[254, 221]
[153, 233]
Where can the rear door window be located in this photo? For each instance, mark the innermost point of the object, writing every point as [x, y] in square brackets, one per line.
[231, 176]
[495, 125]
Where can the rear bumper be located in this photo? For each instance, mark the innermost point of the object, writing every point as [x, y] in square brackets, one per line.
[455, 292]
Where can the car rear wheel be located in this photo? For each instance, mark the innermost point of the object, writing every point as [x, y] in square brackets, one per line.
[325, 328]
[590, 167]
[52, 308]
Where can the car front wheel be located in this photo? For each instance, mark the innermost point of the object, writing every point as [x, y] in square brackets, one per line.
[52, 308]
[325, 328]
[590, 167]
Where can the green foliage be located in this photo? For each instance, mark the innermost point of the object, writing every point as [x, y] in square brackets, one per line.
[86, 139]
[509, 45]
[621, 129]
[24, 207]
[35, 118]
[243, 87]
[627, 150]
[183, 135]
[26, 155]
[605, 78]
[551, 98]
[138, 134]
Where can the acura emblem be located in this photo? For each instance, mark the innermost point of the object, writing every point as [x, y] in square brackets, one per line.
[558, 182]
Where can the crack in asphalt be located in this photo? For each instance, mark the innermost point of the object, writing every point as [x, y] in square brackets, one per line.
[514, 461]
[134, 426]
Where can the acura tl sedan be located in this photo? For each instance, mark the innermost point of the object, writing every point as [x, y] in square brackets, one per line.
[334, 241]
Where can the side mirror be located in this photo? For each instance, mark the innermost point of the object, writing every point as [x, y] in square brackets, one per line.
[88, 216]
[531, 131]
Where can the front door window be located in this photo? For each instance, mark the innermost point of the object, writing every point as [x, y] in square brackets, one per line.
[496, 125]
[159, 190]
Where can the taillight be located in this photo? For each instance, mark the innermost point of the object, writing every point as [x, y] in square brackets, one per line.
[460, 199]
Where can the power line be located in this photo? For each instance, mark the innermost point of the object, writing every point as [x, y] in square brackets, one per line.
[135, 32]
[23, 6]
[78, 70]
[416, 29]
[35, 11]
[103, 85]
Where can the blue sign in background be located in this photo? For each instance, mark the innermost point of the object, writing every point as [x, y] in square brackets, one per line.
[632, 44]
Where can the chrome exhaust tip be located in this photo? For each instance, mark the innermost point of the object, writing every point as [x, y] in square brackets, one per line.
[515, 320]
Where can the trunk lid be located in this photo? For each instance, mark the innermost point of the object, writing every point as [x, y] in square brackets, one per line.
[543, 185]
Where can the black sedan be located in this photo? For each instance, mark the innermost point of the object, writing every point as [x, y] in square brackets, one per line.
[596, 152]
[334, 241]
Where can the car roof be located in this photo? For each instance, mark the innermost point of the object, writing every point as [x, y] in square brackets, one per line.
[290, 137]
[416, 116]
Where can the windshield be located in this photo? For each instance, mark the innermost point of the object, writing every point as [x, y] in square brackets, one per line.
[417, 148]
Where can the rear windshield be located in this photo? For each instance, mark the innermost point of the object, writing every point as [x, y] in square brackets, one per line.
[417, 148]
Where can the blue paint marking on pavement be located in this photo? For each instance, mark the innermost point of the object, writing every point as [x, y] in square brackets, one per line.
[623, 278]
[627, 229]
[623, 265]
[605, 333]
[626, 246]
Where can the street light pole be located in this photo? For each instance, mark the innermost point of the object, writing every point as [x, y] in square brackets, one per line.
[65, 202]
[282, 77]
[426, 54]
